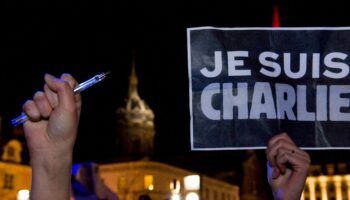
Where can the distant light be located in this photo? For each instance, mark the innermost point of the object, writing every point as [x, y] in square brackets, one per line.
[192, 182]
[347, 177]
[175, 197]
[323, 179]
[23, 195]
[150, 187]
[337, 178]
[192, 196]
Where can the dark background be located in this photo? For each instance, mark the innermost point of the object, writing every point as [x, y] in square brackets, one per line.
[88, 37]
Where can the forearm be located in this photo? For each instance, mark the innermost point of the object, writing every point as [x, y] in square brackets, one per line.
[51, 177]
[291, 190]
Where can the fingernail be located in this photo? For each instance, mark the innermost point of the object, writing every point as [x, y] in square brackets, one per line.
[49, 76]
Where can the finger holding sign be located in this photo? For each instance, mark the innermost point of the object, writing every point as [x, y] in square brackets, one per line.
[287, 167]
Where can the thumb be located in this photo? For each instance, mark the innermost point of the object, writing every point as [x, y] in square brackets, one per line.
[272, 172]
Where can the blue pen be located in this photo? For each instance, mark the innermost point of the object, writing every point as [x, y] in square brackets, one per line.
[81, 87]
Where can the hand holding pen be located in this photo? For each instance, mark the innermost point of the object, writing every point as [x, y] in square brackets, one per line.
[79, 88]
[50, 131]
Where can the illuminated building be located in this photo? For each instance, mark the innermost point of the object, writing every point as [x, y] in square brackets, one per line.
[15, 178]
[130, 180]
[327, 184]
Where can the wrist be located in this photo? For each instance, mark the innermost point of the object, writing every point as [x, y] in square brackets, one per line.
[50, 163]
[285, 196]
[51, 176]
[48, 156]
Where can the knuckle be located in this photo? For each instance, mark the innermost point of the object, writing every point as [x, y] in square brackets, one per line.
[278, 144]
[38, 95]
[66, 75]
[68, 78]
[27, 104]
[63, 85]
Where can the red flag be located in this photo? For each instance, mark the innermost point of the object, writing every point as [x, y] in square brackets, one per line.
[276, 17]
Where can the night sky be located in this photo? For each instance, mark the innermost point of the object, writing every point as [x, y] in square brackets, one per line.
[89, 37]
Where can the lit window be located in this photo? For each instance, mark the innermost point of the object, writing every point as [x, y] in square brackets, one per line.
[8, 181]
[149, 182]
[192, 182]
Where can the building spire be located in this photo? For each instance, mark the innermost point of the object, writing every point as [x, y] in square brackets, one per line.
[135, 122]
[133, 81]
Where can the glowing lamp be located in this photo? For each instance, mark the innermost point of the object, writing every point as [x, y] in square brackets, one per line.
[175, 197]
[192, 196]
[192, 182]
[23, 195]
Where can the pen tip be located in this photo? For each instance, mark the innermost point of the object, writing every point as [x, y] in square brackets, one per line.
[106, 73]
